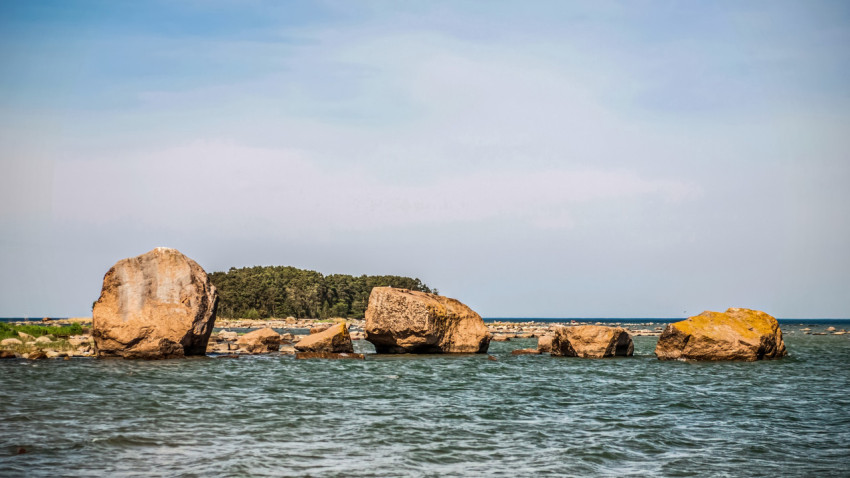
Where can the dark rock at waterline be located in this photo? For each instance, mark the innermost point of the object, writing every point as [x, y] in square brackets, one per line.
[592, 341]
[406, 321]
[156, 305]
[737, 334]
[7, 354]
[328, 356]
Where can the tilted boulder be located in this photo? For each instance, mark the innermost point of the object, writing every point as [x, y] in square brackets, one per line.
[334, 339]
[592, 341]
[260, 341]
[406, 321]
[156, 305]
[737, 334]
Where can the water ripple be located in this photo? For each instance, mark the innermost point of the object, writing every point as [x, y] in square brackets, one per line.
[431, 416]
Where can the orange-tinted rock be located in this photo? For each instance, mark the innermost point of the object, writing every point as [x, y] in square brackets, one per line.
[328, 355]
[737, 334]
[260, 341]
[544, 344]
[405, 321]
[335, 339]
[157, 305]
[591, 341]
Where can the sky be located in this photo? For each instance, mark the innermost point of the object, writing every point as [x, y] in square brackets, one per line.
[531, 159]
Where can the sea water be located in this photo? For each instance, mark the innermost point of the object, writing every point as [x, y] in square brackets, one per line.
[432, 415]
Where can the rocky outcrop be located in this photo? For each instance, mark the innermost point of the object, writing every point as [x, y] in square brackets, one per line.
[592, 341]
[259, 341]
[334, 339]
[10, 342]
[157, 305]
[406, 321]
[737, 334]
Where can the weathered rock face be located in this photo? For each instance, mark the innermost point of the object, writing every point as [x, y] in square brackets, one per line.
[592, 341]
[334, 339]
[737, 334]
[157, 305]
[405, 321]
[260, 341]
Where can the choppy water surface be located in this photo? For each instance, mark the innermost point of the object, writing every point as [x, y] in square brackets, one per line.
[432, 416]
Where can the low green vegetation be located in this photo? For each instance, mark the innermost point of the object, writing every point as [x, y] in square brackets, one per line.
[282, 291]
[11, 330]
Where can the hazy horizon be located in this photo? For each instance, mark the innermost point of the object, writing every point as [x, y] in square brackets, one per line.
[543, 159]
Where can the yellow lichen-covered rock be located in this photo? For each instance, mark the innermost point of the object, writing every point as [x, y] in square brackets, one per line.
[156, 305]
[406, 321]
[737, 334]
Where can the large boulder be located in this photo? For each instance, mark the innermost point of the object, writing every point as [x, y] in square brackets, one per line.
[737, 334]
[591, 341]
[157, 305]
[260, 341]
[334, 339]
[406, 321]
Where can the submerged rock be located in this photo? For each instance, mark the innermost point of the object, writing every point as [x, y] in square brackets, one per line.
[334, 339]
[406, 321]
[156, 305]
[525, 352]
[260, 341]
[592, 341]
[737, 334]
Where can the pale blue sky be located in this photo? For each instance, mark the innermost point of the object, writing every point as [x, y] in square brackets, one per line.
[552, 159]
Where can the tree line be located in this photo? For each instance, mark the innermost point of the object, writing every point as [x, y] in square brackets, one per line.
[284, 291]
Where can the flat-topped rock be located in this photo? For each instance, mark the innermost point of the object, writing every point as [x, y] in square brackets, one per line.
[156, 305]
[406, 321]
[591, 341]
[737, 334]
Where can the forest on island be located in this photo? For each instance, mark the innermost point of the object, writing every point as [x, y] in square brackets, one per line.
[284, 291]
